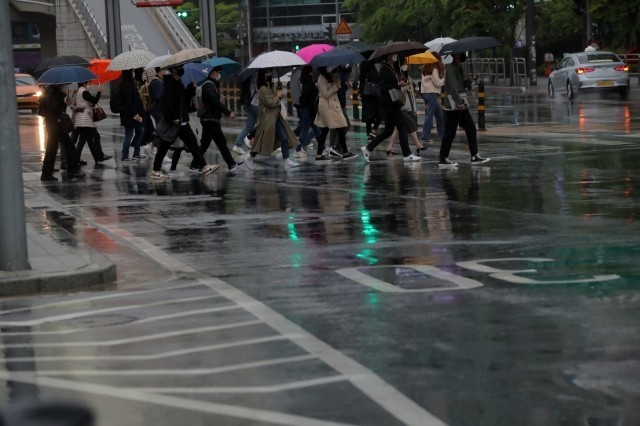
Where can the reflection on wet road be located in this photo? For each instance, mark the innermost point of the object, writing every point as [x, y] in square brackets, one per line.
[482, 295]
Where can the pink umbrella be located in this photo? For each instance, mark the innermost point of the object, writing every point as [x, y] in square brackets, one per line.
[309, 52]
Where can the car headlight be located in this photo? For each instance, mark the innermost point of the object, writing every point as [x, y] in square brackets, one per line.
[38, 94]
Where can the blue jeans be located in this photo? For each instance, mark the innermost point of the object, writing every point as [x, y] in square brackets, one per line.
[432, 102]
[252, 117]
[281, 134]
[130, 140]
[307, 129]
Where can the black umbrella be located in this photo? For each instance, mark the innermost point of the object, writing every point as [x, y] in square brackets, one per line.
[336, 57]
[469, 43]
[61, 61]
[361, 47]
[400, 47]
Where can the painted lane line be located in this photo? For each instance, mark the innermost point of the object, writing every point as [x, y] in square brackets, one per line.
[161, 355]
[301, 384]
[250, 414]
[65, 302]
[137, 339]
[180, 372]
[128, 324]
[76, 315]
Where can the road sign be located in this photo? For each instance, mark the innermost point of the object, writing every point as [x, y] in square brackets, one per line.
[343, 28]
[343, 37]
[159, 3]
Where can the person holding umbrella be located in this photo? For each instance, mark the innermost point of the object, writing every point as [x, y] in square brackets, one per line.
[131, 116]
[52, 107]
[456, 113]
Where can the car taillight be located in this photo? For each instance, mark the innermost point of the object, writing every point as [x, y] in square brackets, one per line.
[622, 68]
[584, 70]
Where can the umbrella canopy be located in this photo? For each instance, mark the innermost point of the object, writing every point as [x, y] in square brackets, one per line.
[436, 44]
[336, 57]
[99, 68]
[361, 47]
[469, 43]
[131, 60]
[61, 61]
[156, 62]
[276, 59]
[400, 47]
[66, 75]
[307, 53]
[187, 55]
[422, 58]
[195, 72]
[229, 67]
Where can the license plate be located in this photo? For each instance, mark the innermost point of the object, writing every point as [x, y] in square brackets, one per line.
[605, 83]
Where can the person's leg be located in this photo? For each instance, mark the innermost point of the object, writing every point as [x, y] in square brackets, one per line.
[252, 116]
[322, 138]
[163, 148]
[281, 134]
[96, 150]
[51, 150]
[469, 126]
[342, 139]
[221, 142]
[73, 166]
[305, 129]
[191, 142]
[389, 126]
[126, 142]
[137, 139]
[175, 158]
[450, 129]
[402, 132]
[205, 140]
[392, 141]
[83, 137]
[428, 116]
[438, 114]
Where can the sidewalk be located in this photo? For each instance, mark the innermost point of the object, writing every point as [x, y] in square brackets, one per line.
[57, 263]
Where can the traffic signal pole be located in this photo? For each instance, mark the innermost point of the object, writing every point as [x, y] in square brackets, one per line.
[208, 30]
[13, 231]
[531, 42]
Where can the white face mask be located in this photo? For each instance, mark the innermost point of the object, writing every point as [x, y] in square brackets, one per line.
[217, 77]
[394, 57]
[404, 67]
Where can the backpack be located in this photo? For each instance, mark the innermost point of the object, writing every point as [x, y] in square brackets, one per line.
[115, 103]
[198, 101]
[145, 95]
[246, 96]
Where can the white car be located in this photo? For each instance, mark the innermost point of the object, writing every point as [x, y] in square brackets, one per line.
[589, 71]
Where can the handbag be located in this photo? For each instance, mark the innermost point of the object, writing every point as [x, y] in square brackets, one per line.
[167, 131]
[283, 109]
[66, 123]
[397, 96]
[371, 89]
[98, 113]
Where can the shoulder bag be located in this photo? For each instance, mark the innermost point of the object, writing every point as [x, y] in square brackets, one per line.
[98, 113]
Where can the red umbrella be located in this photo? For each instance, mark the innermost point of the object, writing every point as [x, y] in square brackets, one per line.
[99, 68]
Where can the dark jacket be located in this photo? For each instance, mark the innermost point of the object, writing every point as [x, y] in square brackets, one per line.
[176, 100]
[308, 97]
[388, 81]
[155, 87]
[131, 104]
[53, 105]
[343, 74]
[213, 107]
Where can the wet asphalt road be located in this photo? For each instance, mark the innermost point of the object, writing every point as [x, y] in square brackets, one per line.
[348, 293]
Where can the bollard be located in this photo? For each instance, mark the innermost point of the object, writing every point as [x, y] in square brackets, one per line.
[289, 99]
[355, 94]
[481, 106]
[442, 96]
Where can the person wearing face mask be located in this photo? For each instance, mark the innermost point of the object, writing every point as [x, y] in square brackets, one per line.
[210, 120]
[131, 116]
[271, 125]
[174, 105]
[409, 113]
[456, 113]
[393, 113]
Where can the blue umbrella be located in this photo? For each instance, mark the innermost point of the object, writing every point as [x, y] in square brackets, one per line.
[66, 75]
[229, 67]
[336, 57]
[195, 72]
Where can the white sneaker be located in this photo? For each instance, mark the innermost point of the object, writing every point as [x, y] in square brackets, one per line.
[247, 142]
[334, 153]
[277, 153]
[290, 164]
[301, 155]
[238, 150]
[210, 168]
[412, 158]
[248, 160]
[159, 175]
[366, 154]
[446, 164]
[148, 151]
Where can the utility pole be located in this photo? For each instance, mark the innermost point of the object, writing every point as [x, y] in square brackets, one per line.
[13, 231]
[531, 42]
[208, 29]
[114, 27]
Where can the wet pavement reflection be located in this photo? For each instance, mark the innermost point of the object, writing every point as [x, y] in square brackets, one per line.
[500, 294]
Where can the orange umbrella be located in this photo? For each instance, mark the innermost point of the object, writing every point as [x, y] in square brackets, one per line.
[99, 68]
[422, 58]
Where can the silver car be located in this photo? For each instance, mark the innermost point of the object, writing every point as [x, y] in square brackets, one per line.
[590, 71]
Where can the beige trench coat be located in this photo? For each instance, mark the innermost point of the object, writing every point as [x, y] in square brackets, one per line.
[268, 115]
[329, 110]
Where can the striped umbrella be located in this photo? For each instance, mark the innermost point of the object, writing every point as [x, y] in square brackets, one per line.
[131, 60]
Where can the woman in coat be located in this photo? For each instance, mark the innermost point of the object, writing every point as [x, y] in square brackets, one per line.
[330, 115]
[432, 82]
[271, 124]
[86, 127]
[131, 113]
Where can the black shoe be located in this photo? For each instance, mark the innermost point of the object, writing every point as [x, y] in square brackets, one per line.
[476, 159]
[77, 174]
[82, 163]
[48, 178]
[105, 158]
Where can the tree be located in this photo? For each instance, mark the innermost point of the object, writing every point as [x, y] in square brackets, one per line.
[227, 19]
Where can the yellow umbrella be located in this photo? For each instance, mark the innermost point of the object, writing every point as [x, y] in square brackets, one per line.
[422, 58]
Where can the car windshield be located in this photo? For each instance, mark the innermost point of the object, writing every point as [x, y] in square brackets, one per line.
[25, 80]
[598, 58]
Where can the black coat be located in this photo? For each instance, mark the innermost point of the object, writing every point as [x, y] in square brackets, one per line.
[53, 104]
[213, 107]
[388, 81]
[175, 100]
[131, 104]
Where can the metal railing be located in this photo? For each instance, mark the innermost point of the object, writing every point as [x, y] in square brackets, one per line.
[177, 30]
[633, 60]
[97, 37]
[519, 72]
[489, 70]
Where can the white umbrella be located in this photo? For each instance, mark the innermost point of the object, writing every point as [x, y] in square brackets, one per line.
[130, 60]
[186, 56]
[156, 62]
[275, 59]
[436, 44]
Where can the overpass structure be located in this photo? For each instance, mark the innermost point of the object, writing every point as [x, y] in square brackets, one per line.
[77, 27]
